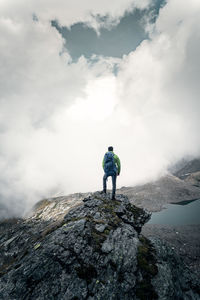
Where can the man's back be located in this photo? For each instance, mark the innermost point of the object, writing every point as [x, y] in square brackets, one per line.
[116, 161]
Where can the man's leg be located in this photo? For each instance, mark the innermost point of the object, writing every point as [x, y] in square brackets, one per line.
[114, 178]
[104, 182]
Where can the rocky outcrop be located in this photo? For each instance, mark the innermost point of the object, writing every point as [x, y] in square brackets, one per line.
[173, 280]
[184, 240]
[93, 251]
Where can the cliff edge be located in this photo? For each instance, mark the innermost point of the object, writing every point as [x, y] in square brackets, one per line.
[94, 250]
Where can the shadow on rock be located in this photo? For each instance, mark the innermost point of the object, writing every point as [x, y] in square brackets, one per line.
[95, 251]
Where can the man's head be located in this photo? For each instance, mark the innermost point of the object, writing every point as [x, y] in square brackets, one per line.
[110, 148]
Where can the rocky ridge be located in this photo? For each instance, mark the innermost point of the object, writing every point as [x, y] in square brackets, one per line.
[94, 250]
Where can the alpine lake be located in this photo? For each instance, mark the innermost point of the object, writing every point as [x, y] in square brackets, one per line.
[181, 213]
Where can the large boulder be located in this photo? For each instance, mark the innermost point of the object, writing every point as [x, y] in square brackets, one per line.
[95, 251]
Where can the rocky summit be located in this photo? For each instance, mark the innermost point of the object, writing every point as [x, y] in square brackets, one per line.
[94, 250]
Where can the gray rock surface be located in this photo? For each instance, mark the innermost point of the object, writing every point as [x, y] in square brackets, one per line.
[183, 239]
[172, 277]
[94, 250]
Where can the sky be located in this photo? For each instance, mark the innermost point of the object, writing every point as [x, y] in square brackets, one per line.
[79, 76]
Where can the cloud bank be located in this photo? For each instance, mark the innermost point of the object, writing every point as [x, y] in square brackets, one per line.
[57, 117]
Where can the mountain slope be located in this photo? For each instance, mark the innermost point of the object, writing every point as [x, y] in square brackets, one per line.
[94, 251]
[154, 195]
[190, 167]
[193, 179]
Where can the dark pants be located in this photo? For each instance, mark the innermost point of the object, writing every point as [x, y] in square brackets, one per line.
[114, 177]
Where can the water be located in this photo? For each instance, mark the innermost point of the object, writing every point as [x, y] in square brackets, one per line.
[182, 213]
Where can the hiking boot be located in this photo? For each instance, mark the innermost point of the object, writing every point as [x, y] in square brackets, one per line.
[113, 198]
[103, 192]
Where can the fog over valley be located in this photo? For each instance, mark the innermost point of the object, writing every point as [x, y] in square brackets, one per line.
[59, 113]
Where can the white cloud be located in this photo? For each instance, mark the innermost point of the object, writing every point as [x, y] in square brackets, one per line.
[159, 90]
[100, 102]
[57, 117]
[38, 83]
[68, 13]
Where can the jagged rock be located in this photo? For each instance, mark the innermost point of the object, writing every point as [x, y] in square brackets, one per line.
[95, 251]
[173, 280]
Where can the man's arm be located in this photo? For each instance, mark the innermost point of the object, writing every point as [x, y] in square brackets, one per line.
[103, 162]
[117, 160]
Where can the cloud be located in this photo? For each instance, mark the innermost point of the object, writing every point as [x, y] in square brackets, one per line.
[159, 84]
[38, 83]
[92, 12]
[57, 117]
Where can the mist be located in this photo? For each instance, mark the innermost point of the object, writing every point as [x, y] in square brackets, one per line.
[57, 117]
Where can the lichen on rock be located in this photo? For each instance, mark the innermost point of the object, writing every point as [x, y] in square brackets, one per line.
[95, 251]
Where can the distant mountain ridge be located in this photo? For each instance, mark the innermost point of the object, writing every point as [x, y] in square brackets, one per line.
[192, 166]
[156, 194]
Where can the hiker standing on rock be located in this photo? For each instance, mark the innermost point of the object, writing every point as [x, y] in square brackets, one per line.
[112, 166]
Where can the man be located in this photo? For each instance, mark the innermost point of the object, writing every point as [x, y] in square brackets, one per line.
[112, 167]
